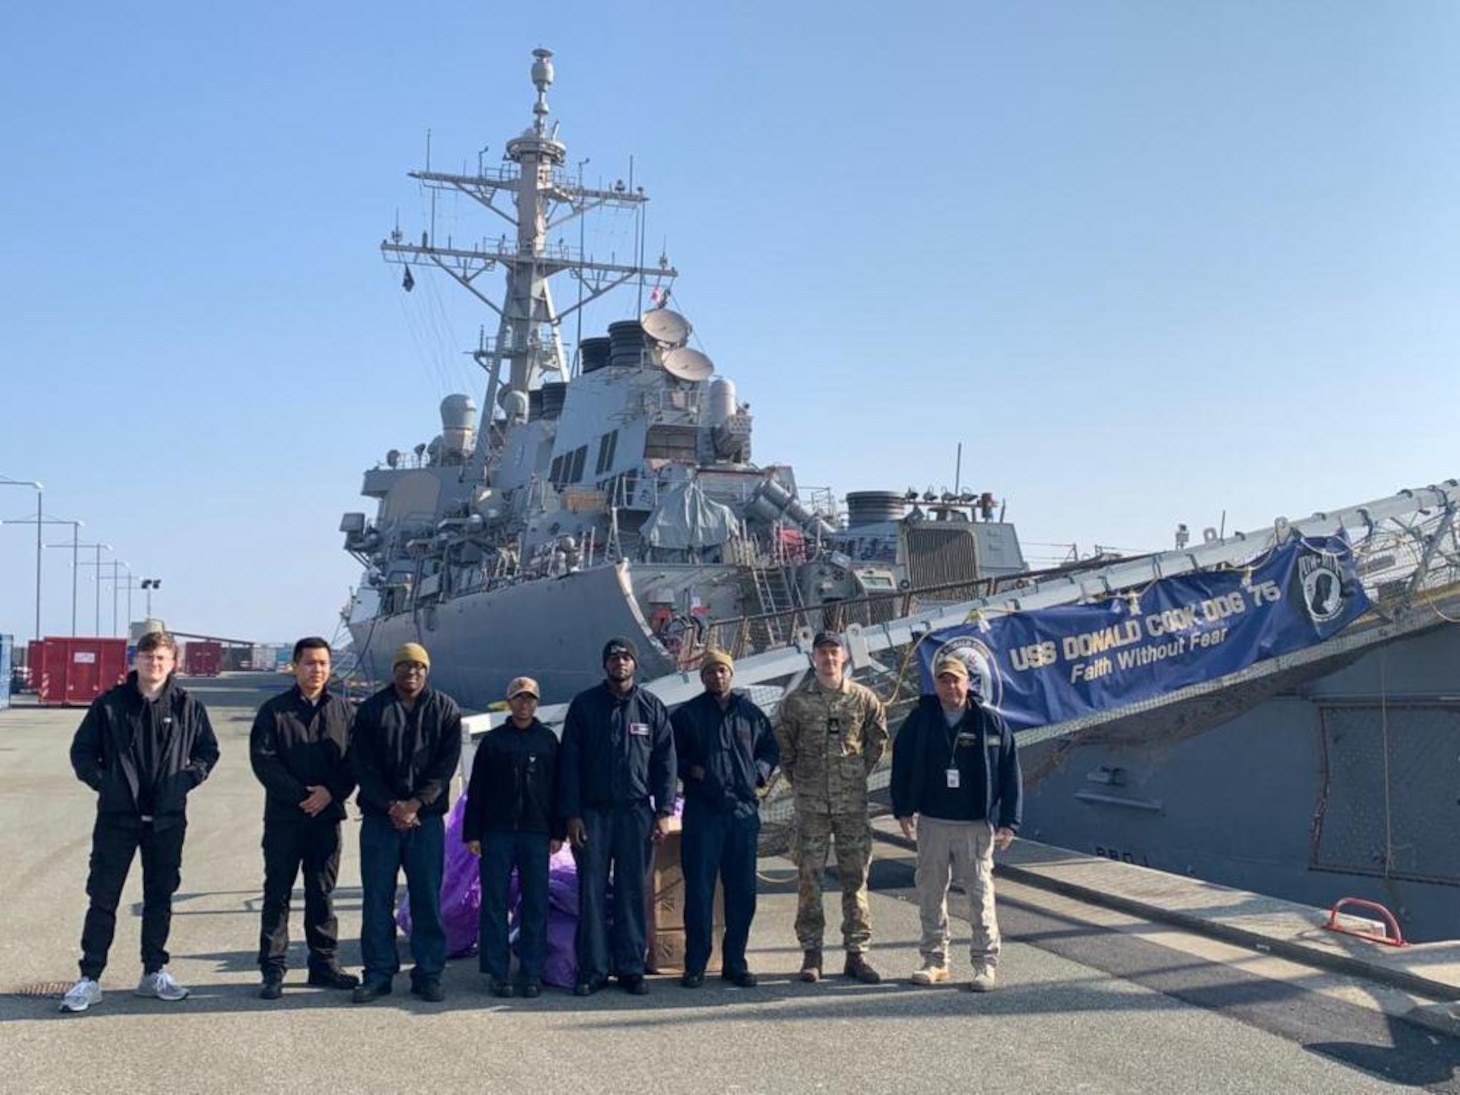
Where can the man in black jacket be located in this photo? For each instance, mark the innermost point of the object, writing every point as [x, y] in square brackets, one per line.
[726, 750]
[616, 777]
[298, 749]
[404, 750]
[142, 747]
[510, 822]
[956, 785]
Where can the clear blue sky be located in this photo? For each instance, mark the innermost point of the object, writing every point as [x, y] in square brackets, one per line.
[1150, 261]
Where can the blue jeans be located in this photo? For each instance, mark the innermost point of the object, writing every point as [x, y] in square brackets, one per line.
[383, 852]
[503, 850]
[618, 843]
[718, 843]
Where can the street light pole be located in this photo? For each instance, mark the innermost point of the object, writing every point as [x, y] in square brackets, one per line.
[116, 580]
[149, 584]
[74, 546]
[5, 481]
[97, 564]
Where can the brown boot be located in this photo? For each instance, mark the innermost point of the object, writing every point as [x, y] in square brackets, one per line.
[811, 965]
[857, 966]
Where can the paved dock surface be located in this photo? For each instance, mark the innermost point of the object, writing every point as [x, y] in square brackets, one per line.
[1117, 995]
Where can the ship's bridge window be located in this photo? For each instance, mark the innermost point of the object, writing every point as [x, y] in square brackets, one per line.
[574, 464]
[606, 446]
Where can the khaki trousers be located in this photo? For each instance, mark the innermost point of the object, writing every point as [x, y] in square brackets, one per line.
[961, 851]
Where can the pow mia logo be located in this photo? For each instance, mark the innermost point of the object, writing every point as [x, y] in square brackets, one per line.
[1321, 583]
[983, 676]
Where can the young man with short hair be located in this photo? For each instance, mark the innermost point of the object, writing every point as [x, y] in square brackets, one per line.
[832, 732]
[299, 748]
[143, 746]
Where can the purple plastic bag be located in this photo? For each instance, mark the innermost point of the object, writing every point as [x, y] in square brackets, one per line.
[560, 967]
[461, 892]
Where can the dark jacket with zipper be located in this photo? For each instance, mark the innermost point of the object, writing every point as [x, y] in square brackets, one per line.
[617, 750]
[295, 745]
[514, 783]
[980, 745]
[734, 745]
[142, 756]
[399, 755]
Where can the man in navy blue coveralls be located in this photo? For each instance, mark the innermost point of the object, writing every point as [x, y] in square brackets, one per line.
[616, 777]
[726, 750]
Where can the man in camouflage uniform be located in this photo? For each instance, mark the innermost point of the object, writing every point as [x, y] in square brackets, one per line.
[832, 732]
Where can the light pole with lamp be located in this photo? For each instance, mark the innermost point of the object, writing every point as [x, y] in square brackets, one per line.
[75, 546]
[149, 584]
[97, 564]
[6, 481]
[115, 579]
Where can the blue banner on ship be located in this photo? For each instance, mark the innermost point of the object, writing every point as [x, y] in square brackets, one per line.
[1049, 665]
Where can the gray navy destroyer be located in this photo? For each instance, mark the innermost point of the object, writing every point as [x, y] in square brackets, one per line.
[611, 490]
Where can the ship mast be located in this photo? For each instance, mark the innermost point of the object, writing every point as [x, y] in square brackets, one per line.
[529, 341]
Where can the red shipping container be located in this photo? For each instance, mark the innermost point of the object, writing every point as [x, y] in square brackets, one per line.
[73, 672]
[33, 659]
[202, 659]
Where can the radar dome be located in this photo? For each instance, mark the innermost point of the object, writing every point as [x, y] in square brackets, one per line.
[514, 404]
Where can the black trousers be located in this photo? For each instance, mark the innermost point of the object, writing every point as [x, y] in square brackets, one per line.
[113, 845]
[618, 845]
[313, 844]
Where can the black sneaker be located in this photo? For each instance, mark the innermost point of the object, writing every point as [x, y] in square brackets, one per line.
[332, 977]
[634, 986]
[370, 990]
[741, 978]
[532, 989]
[272, 986]
[588, 987]
[692, 980]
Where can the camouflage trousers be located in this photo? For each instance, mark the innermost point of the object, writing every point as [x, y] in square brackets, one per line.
[852, 835]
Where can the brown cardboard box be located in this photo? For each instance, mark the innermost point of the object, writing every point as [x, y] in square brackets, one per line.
[665, 902]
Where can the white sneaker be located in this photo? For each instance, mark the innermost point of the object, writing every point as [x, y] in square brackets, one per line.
[984, 979]
[930, 973]
[81, 995]
[161, 986]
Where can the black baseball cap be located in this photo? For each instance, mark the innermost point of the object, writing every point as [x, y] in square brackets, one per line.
[828, 638]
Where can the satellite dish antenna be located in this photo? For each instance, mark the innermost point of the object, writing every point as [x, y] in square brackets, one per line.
[666, 327]
[687, 364]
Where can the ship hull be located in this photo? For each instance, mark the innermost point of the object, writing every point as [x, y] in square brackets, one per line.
[552, 629]
[1344, 786]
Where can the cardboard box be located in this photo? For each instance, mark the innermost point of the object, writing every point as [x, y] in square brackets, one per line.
[665, 903]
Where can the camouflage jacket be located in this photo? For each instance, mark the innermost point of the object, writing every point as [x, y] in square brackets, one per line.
[830, 741]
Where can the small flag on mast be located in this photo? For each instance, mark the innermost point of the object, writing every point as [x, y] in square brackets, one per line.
[408, 282]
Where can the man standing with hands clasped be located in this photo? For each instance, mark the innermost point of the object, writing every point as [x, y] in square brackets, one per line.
[511, 822]
[955, 776]
[298, 748]
[726, 751]
[405, 749]
[616, 778]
